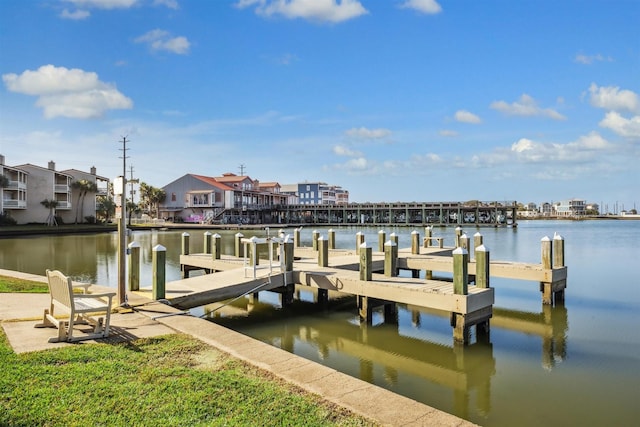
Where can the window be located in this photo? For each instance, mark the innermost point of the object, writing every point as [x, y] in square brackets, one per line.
[173, 197]
[308, 187]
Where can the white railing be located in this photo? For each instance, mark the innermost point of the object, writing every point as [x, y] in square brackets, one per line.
[14, 204]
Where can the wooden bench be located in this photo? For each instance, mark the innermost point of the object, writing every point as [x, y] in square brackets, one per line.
[82, 309]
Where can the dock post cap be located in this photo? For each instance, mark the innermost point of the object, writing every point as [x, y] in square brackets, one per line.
[390, 243]
[460, 251]
[477, 234]
[365, 245]
[321, 238]
[359, 232]
[159, 248]
[287, 238]
[238, 234]
[392, 234]
[414, 232]
[134, 245]
[217, 235]
[253, 239]
[482, 248]
[381, 231]
[464, 235]
[185, 234]
[207, 233]
[556, 236]
[545, 239]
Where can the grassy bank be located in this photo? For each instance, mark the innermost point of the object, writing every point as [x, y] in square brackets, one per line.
[169, 380]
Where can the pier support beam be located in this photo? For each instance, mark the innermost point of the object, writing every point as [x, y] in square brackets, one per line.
[415, 242]
[381, 240]
[207, 242]
[323, 252]
[216, 247]
[390, 259]
[332, 238]
[315, 235]
[359, 241]
[158, 265]
[239, 247]
[134, 266]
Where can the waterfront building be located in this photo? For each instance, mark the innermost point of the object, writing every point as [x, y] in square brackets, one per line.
[571, 207]
[229, 198]
[546, 209]
[13, 191]
[29, 185]
[321, 193]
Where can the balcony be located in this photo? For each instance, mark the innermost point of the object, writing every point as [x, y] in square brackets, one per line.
[58, 188]
[16, 185]
[14, 204]
[63, 206]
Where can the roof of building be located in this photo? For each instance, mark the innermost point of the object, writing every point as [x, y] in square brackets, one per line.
[212, 181]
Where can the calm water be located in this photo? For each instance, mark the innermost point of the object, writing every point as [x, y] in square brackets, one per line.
[573, 365]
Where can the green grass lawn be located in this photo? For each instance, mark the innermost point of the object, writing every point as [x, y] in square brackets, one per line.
[11, 284]
[173, 380]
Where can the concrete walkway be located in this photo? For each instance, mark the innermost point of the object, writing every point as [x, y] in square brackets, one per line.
[20, 312]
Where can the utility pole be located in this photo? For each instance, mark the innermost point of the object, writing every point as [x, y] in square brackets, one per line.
[132, 181]
[122, 231]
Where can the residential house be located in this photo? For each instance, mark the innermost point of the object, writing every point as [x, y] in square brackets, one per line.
[13, 192]
[226, 198]
[572, 207]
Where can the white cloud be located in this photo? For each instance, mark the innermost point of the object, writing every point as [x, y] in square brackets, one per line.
[161, 40]
[314, 10]
[581, 150]
[590, 59]
[467, 117]
[76, 15]
[341, 150]
[612, 98]
[364, 133]
[63, 92]
[430, 7]
[104, 4]
[171, 4]
[629, 128]
[525, 106]
[448, 133]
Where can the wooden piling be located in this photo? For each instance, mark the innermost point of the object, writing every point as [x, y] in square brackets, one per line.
[546, 254]
[464, 242]
[332, 238]
[185, 243]
[394, 238]
[254, 256]
[158, 263]
[366, 259]
[323, 252]
[415, 242]
[359, 241]
[390, 259]
[296, 237]
[558, 251]
[239, 247]
[216, 249]
[381, 240]
[458, 233]
[428, 234]
[134, 266]
[460, 271]
[288, 254]
[314, 239]
[207, 242]
[477, 241]
[482, 266]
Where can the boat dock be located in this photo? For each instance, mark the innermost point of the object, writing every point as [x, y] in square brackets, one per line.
[372, 277]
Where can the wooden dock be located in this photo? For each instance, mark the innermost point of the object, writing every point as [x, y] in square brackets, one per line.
[370, 276]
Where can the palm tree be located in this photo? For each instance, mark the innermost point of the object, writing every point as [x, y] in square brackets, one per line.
[106, 207]
[83, 187]
[51, 205]
[151, 197]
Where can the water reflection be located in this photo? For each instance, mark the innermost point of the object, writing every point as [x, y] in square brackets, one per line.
[552, 325]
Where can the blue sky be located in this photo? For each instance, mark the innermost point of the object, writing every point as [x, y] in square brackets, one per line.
[420, 100]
